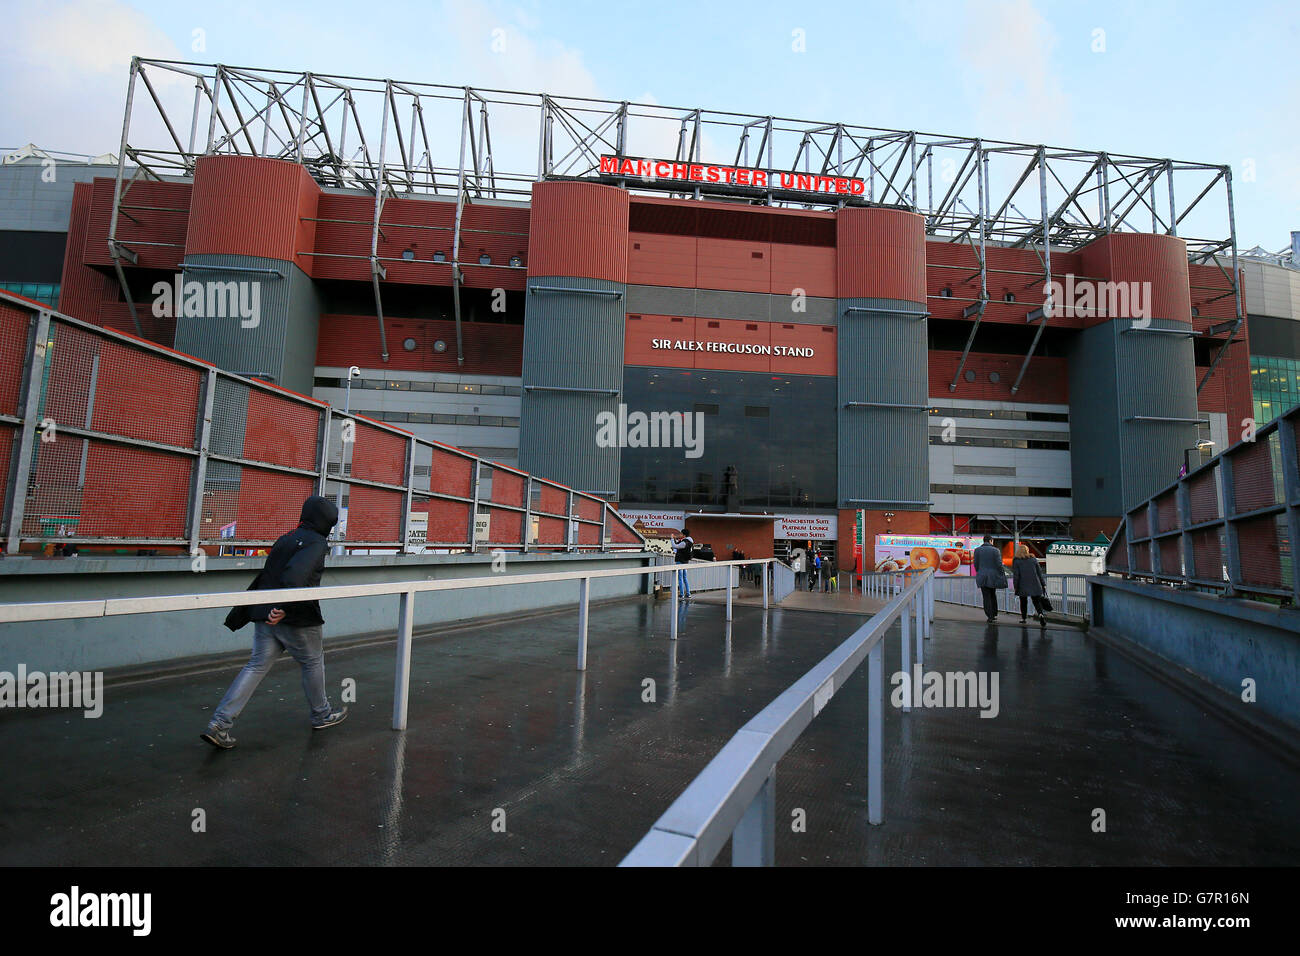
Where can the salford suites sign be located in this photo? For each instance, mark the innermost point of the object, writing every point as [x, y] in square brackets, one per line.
[663, 170]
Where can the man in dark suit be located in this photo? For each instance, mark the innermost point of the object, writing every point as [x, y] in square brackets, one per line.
[990, 577]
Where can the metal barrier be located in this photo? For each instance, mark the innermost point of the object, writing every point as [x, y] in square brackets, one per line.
[783, 581]
[701, 575]
[1068, 593]
[734, 797]
[1232, 525]
[111, 440]
[405, 591]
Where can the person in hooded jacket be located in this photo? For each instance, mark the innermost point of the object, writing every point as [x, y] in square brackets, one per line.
[296, 561]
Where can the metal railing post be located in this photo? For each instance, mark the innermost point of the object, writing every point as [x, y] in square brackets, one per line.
[728, 594]
[323, 451]
[918, 603]
[904, 621]
[767, 566]
[25, 440]
[473, 509]
[199, 473]
[753, 842]
[584, 593]
[1290, 492]
[402, 677]
[672, 627]
[1231, 547]
[875, 729]
[404, 527]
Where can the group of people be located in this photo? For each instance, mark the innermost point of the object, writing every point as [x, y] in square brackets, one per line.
[815, 571]
[1026, 575]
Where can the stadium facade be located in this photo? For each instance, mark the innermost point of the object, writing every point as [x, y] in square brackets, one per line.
[822, 338]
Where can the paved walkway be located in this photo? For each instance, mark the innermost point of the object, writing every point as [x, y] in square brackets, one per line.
[578, 767]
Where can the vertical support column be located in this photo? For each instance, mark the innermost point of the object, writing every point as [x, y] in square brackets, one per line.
[404, 529]
[1184, 499]
[1231, 547]
[672, 627]
[402, 677]
[767, 566]
[753, 842]
[323, 450]
[473, 510]
[1153, 544]
[528, 511]
[584, 594]
[729, 591]
[199, 475]
[918, 603]
[21, 470]
[568, 525]
[1290, 493]
[604, 517]
[904, 621]
[875, 729]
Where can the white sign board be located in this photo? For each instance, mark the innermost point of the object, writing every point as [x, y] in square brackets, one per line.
[417, 531]
[655, 520]
[482, 525]
[806, 528]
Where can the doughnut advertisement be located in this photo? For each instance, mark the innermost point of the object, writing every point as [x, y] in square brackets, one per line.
[947, 556]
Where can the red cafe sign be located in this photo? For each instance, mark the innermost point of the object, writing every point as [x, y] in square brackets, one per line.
[653, 170]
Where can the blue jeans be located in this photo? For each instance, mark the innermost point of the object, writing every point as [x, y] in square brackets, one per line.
[269, 642]
[683, 585]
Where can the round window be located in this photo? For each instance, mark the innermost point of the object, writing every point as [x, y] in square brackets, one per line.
[409, 345]
[994, 377]
[970, 375]
[440, 346]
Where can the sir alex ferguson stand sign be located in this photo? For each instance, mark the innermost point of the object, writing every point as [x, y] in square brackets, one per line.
[672, 173]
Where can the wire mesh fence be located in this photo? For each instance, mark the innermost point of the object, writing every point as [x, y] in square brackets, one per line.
[106, 439]
[1230, 526]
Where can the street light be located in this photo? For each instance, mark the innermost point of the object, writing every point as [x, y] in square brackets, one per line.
[1202, 444]
[353, 372]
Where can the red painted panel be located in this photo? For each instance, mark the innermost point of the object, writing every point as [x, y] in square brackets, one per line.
[640, 333]
[268, 506]
[343, 238]
[578, 229]
[154, 227]
[734, 265]
[83, 288]
[491, 348]
[451, 474]
[1046, 380]
[379, 455]
[375, 514]
[134, 492]
[880, 254]
[245, 205]
[661, 260]
[139, 394]
[1145, 258]
[729, 331]
[15, 325]
[281, 431]
[810, 268]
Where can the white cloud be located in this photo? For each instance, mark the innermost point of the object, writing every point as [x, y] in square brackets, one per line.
[64, 69]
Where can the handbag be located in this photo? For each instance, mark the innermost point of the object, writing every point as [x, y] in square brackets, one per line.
[1044, 603]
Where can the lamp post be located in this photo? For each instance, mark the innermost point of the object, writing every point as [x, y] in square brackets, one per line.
[1201, 445]
[353, 372]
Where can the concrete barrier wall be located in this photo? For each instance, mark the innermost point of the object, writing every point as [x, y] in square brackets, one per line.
[1223, 641]
[157, 639]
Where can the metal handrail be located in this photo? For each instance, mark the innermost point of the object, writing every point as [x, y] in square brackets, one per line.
[734, 797]
[404, 590]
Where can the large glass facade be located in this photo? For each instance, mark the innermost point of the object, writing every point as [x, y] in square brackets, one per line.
[47, 292]
[775, 433]
[1274, 385]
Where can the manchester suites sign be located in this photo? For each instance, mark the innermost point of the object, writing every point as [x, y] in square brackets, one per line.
[651, 171]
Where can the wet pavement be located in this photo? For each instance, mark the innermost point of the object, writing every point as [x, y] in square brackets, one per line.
[514, 758]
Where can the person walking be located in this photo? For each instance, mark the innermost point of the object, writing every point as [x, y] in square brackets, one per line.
[296, 561]
[684, 546]
[990, 576]
[1027, 577]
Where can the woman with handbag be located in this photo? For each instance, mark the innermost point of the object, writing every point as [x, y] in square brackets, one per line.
[1027, 576]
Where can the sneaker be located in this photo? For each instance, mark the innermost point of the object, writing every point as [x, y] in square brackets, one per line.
[219, 738]
[335, 718]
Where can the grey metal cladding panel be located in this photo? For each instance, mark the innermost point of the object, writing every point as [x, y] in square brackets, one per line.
[302, 332]
[883, 452]
[1156, 377]
[557, 440]
[226, 341]
[1094, 423]
[714, 304]
[574, 340]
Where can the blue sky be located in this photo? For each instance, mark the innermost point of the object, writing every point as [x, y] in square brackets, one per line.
[1209, 82]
